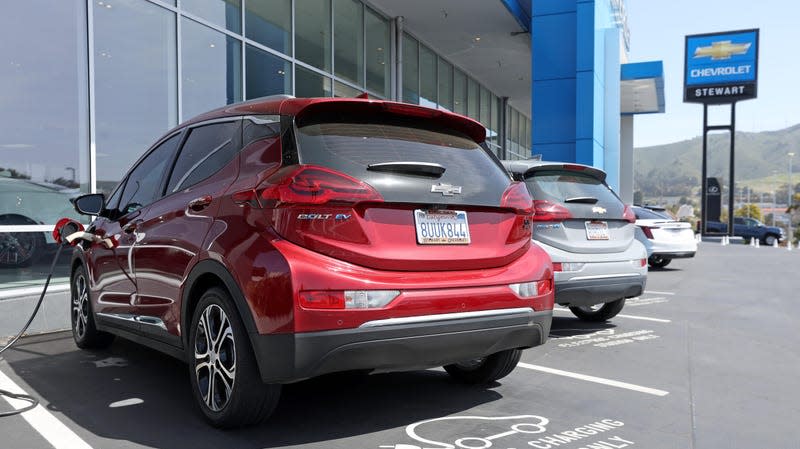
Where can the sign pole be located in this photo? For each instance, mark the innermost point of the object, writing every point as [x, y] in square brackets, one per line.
[704, 175]
[731, 181]
[720, 68]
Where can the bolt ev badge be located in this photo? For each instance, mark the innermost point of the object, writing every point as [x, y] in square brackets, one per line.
[721, 50]
[323, 216]
[599, 210]
[445, 189]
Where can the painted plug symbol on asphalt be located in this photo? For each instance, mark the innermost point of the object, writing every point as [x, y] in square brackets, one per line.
[532, 425]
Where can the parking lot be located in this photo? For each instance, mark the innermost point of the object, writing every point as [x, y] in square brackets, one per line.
[707, 358]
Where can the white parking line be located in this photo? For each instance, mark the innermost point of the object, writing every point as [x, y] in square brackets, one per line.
[48, 426]
[645, 318]
[632, 317]
[597, 380]
[659, 293]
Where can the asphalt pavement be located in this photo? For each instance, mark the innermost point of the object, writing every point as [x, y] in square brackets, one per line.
[707, 358]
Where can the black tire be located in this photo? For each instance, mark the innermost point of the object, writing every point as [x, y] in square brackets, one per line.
[658, 261]
[225, 380]
[84, 330]
[486, 369]
[19, 249]
[599, 312]
[770, 239]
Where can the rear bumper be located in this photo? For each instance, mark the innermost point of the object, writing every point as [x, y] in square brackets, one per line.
[587, 292]
[399, 344]
[674, 255]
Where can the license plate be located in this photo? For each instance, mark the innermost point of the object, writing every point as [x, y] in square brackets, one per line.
[441, 227]
[596, 230]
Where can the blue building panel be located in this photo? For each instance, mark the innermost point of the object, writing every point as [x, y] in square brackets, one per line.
[521, 10]
[584, 51]
[554, 110]
[583, 111]
[547, 7]
[554, 40]
[555, 151]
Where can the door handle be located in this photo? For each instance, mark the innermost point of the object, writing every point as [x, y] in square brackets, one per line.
[199, 204]
[131, 226]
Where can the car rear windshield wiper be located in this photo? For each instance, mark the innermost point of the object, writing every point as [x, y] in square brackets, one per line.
[581, 199]
[412, 168]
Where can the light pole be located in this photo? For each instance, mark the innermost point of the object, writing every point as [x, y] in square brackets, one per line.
[774, 172]
[791, 194]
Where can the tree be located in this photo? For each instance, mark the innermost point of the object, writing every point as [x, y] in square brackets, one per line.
[749, 210]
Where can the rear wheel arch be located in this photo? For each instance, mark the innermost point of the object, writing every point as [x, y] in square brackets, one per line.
[205, 275]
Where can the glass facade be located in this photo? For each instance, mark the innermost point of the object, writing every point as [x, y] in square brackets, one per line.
[430, 80]
[117, 74]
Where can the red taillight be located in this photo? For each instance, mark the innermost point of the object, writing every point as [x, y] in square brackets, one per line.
[575, 167]
[557, 266]
[544, 210]
[544, 287]
[648, 232]
[628, 214]
[517, 197]
[322, 300]
[309, 184]
[642, 262]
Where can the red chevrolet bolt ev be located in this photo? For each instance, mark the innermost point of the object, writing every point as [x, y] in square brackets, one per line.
[280, 239]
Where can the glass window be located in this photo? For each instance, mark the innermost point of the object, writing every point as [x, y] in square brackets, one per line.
[377, 29]
[145, 181]
[485, 106]
[348, 40]
[460, 92]
[473, 98]
[343, 90]
[410, 70]
[509, 118]
[308, 83]
[225, 13]
[206, 150]
[312, 41]
[525, 137]
[494, 118]
[211, 69]
[559, 185]
[349, 143]
[44, 145]
[445, 84]
[266, 73]
[269, 22]
[427, 77]
[135, 62]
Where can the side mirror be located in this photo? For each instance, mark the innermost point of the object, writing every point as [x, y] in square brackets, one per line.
[92, 204]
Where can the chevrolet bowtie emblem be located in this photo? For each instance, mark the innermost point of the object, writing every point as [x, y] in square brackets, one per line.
[599, 210]
[445, 189]
[721, 50]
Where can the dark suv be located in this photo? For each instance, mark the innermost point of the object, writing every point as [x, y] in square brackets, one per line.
[279, 239]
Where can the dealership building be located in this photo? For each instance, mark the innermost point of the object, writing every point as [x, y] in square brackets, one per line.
[87, 85]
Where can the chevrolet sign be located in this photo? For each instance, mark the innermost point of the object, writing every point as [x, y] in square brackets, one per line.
[721, 67]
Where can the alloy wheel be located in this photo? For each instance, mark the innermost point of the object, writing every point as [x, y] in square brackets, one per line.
[80, 307]
[215, 357]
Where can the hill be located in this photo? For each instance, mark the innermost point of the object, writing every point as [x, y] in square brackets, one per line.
[674, 169]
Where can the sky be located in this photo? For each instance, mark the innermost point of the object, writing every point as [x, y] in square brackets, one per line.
[657, 31]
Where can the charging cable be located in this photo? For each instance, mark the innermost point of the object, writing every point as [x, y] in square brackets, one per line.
[66, 233]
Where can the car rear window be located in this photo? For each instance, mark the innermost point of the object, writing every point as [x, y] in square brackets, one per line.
[562, 185]
[351, 146]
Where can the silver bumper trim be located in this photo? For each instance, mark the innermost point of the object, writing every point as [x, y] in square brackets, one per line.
[447, 317]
